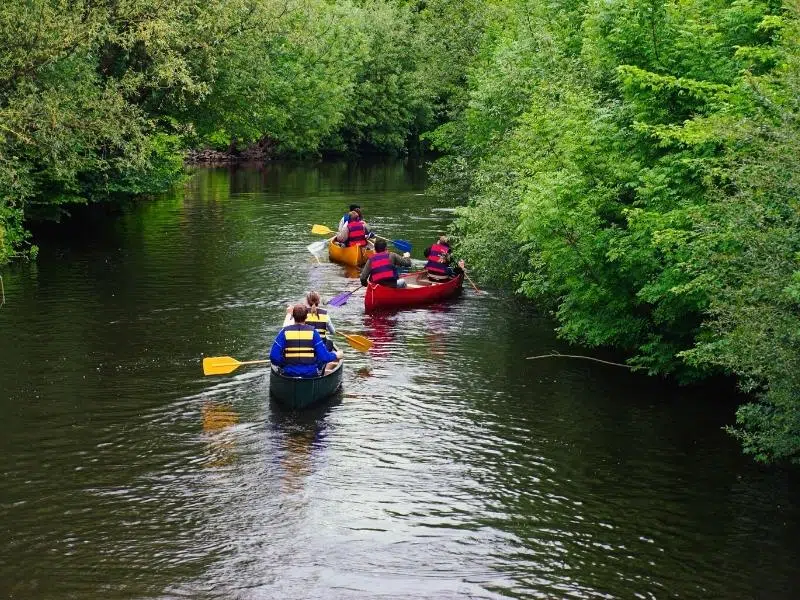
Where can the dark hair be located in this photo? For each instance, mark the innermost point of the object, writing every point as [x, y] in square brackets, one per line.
[312, 299]
[299, 313]
[354, 207]
[380, 245]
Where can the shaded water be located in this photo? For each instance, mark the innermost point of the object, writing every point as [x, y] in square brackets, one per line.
[449, 467]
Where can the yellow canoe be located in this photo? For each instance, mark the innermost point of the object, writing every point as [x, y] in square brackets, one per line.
[355, 256]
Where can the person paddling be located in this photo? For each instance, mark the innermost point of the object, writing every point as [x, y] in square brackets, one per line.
[381, 268]
[438, 267]
[343, 221]
[300, 350]
[355, 232]
[318, 317]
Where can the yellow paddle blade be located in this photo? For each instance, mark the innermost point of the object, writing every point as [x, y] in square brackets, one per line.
[219, 365]
[359, 342]
[321, 230]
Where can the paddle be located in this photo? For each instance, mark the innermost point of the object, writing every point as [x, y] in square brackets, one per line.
[341, 299]
[359, 342]
[222, 365]
[318, 247]
[473, 283]
[402, 245]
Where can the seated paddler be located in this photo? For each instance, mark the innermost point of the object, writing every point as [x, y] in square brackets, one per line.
[355, 232]
[438, 268]
[381, 268]
[317, 317]
[343, 221]
[299, 349]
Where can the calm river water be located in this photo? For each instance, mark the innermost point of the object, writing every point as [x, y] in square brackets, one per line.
[449, 466]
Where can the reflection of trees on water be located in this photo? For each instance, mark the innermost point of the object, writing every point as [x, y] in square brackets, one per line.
[217, 418]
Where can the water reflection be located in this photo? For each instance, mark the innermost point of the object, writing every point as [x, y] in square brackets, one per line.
[302, 436]
[351, 272]
[449, 468]
[217, 418]
[381, 329]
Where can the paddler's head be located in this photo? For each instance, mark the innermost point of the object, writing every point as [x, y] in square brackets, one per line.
[299, 313]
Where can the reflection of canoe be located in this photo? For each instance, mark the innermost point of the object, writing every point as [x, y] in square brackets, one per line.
[355, 256]
[418, 292]
[299, 392]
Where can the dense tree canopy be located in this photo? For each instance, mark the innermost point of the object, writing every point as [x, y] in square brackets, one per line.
[631, 165]
[99, 98]
[634, 166]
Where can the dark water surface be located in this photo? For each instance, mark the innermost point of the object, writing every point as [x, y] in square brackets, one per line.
[449, 467]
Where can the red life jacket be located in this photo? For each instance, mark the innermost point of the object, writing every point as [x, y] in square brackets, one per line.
[356, 234]
[381, 268]
[436, 264]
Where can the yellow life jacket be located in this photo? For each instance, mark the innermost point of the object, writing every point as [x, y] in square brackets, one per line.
[299, 348]
[320, 321]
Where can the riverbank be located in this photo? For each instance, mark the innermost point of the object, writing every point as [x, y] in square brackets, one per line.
[263, 151]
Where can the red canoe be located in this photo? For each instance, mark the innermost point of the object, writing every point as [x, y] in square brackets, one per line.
[418, 292]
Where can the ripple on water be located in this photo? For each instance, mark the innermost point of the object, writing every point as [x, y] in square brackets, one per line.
[448, 467]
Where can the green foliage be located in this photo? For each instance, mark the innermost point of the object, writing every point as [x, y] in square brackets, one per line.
[632, 165]
[103, 100]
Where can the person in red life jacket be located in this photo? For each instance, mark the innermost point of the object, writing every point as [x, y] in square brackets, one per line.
[381, 268]
[343, 221]
[299, 348]
[439, 258]
[355, 232]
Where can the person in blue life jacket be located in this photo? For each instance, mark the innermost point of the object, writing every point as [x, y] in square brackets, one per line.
[299, 349]
[381, 268]
[317, 316]
[439, 257]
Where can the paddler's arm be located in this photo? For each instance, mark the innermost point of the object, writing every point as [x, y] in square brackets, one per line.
[365, 272]
[400, 261]
[321, 353]
[276, 353]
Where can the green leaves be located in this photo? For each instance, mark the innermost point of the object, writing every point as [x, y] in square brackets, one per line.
[650, 155]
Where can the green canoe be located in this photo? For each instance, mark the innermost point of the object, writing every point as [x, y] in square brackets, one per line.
[299, 392]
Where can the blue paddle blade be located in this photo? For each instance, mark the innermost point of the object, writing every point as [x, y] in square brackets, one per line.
[402, 245]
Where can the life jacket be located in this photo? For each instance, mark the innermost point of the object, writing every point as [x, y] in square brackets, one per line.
[320, 321]
[356, 234]
[299, 348]
[436, 264]
[381, 268]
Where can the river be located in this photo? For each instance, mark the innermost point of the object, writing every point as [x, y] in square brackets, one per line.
[448, 467]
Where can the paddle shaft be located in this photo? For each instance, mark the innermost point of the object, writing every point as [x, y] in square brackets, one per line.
[473, 283]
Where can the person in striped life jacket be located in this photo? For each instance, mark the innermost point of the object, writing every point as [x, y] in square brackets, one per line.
[355, 232]
[439, 258]
[299, 350]
[381, 268]
[318, 317]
